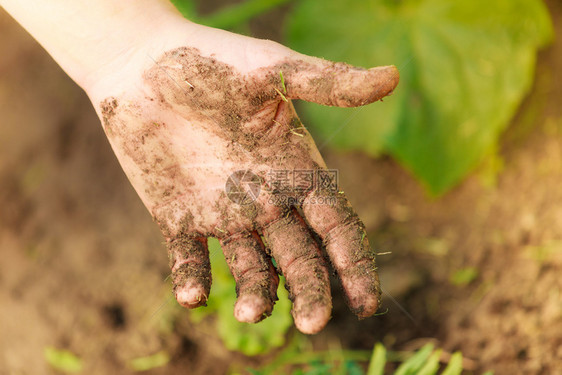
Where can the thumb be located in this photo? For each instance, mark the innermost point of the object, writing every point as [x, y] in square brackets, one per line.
[337, 84]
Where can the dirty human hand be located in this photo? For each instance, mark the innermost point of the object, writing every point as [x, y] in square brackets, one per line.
[202, 123]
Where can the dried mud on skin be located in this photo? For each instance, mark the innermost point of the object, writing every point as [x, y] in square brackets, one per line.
[217, 96]
[186, 79]
[356, 268]
[190, 264]
[256, 278]
[299, 258]
[261, 128]
[85, 256]
[204, 89]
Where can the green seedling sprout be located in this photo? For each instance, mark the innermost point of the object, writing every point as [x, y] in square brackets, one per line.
[283, 82]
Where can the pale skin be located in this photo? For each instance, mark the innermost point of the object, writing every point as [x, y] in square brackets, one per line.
[184, 107]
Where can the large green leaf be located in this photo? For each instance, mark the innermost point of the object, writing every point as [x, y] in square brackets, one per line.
[465, 66]
[186, 7]
[229, 17]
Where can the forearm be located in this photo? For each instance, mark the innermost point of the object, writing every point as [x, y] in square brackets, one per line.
[92, 39]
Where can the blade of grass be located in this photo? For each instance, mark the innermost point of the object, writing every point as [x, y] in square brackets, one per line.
[150, 362]
[62, 360]
[283, 82]
[415, 362]
[455, 365]
[378, 360]
[432, 364]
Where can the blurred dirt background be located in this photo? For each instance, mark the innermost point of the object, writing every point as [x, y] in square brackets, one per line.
[83, 266]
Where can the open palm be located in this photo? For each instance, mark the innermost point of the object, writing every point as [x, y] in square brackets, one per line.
[213, 146]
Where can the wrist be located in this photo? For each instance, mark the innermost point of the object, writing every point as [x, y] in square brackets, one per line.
[98, 41]
[131, 51]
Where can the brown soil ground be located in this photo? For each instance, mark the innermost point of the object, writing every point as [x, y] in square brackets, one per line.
[83, 266]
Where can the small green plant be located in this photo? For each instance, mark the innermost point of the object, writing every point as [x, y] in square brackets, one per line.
[464, 276]
[250, 339]
[150, 362]
[62, 360]
[425, 361]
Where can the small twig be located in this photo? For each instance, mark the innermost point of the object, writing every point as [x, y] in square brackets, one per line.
[296, 133]
[382, 313]
[384, 253]
[282, 96]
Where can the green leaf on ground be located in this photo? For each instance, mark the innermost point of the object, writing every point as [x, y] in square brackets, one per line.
[464, 276]
[465, 66]
[149, 362]
[62, 360]
[250, 339]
